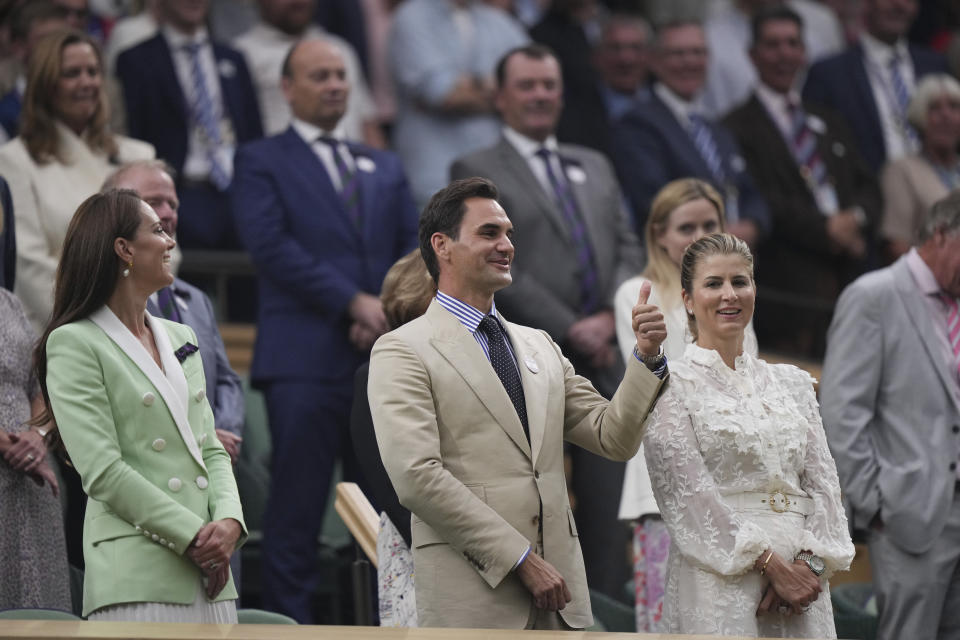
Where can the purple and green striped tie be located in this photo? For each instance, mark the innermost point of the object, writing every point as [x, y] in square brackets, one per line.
[349, 182]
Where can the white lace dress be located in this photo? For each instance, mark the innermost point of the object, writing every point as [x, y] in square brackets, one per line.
[717, 432]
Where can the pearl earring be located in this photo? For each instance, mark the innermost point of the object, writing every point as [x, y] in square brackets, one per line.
[126, 272]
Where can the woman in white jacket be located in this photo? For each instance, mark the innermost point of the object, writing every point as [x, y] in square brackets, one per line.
[682, 212]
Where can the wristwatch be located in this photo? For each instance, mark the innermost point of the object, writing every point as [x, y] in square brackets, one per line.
[652, 362]
[815, 563]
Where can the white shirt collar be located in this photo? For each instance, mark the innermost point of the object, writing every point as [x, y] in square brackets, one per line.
[310, 132]
[775, 101]
[880, 53]
[681, 109]
[525, 146]
[178, 39]
[711, 358]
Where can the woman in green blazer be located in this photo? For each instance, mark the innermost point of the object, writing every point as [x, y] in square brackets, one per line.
[127, 393]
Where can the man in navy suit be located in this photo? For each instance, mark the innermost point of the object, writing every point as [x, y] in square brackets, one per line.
[323, 220]
[870, 83]
[193, 99]
[666, 137]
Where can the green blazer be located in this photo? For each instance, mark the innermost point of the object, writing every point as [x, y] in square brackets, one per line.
[144, 444]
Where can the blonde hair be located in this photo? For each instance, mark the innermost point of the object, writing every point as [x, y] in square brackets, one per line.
[407, 289]
[39, 131]
[715, 244]
[660, 269]
[929, 88]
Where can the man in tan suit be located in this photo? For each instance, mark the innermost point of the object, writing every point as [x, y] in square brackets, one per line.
[471, 412]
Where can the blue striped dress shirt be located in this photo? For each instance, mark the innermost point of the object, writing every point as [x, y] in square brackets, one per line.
[470, 317]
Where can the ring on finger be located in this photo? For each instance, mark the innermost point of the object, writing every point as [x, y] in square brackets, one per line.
[212, 565]
[783, 608]
[31, 457]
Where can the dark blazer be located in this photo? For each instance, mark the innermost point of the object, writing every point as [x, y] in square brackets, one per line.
[798, 243]
[8, 239]
[157, 110]
[651, 148]
[224, 389]
[10, 107]
[310, 258]
[840, 83]
[382, 494]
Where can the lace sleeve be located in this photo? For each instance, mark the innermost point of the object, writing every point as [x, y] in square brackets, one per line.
[707, 532]
[826, 533]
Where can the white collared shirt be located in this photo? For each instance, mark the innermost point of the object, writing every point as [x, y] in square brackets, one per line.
[680, 108]
[877, 56]
[311, 134]
[197, 163]
[527, 148]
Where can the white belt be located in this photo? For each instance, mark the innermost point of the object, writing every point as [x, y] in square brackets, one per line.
[776, 501]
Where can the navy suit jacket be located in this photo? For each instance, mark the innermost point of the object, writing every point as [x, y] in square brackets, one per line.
[841, 84]
[310, 257]
[224, 389]
[10, 107]
[651, 148]
[157, 110]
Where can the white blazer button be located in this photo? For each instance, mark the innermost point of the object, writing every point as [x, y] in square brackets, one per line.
[159, 444]
[148, 399]
[201, 395]
[154, 537]
[163, 542]
[138, 528]
[202, 482]
[172, 546]
[174, 484]
[146, 534]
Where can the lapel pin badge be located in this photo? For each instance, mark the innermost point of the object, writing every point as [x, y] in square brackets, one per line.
[226, 68]
[531, 364]
[366, 164]
[576, 174]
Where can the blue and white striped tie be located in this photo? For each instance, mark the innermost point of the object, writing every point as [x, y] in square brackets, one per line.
[706, 146]
[902, 94]
[204, 116]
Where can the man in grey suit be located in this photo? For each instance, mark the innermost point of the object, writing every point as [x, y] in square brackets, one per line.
[574, 247]
[890, 399]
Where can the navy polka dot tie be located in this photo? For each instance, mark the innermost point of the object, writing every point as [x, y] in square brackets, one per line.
[506, 368]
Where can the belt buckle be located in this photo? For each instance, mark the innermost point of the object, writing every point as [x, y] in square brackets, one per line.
[779, 502]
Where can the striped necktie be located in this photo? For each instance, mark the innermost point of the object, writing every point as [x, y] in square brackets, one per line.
[953, 328]
[901, 94]
[804, 146]
[204, 116]
[167, 303]
[349, 181]
[706, 146]
[589, 300]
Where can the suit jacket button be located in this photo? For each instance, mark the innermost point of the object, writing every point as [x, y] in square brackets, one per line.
[536, 474]
[146, 534]
[202, 482]
[159, 444]
[174, 484]
[953, 466]
[148, 399]
[536, 520]
[138, 528]
[200, 395]
[163, 542]
[154, 537]
[956, 428]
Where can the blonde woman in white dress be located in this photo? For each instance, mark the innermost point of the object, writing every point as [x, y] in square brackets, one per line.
[741, 471]
[682, 212]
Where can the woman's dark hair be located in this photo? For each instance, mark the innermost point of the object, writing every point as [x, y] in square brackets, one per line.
[89, 268]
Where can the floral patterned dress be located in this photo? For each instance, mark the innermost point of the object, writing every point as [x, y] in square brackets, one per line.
[33, 554]
[716, 435]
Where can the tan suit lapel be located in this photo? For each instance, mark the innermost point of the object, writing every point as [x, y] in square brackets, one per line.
[172, 385]
[460, 349]
[535, 384]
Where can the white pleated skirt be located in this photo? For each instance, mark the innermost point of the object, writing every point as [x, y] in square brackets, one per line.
[202, 611]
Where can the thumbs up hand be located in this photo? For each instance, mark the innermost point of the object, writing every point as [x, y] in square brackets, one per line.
[648, 324]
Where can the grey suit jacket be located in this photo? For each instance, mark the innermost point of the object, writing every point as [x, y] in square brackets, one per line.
[890, 408]
[546, 282]
[224, 389]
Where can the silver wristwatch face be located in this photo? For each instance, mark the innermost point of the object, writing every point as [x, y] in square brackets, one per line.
[816, 564]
